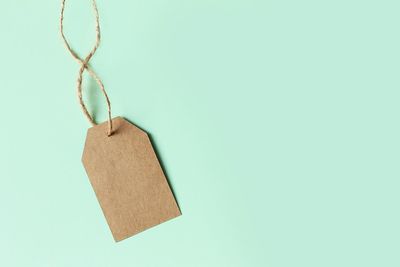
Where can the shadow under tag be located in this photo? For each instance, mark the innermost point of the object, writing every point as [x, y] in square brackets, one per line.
[127, 179]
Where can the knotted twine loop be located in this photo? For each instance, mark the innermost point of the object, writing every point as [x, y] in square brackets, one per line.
[85, 66]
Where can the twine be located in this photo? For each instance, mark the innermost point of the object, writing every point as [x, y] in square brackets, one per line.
[84, 63]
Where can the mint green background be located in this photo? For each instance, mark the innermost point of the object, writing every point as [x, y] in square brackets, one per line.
[277, 122]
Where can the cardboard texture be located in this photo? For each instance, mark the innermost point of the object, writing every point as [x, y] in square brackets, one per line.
[127, 178]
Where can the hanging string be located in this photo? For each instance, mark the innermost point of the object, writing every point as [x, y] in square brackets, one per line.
[84, 63]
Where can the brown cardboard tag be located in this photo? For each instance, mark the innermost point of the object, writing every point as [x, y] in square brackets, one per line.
[127, 179]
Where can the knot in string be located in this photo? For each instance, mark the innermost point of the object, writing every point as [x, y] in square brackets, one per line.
[84, 63]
